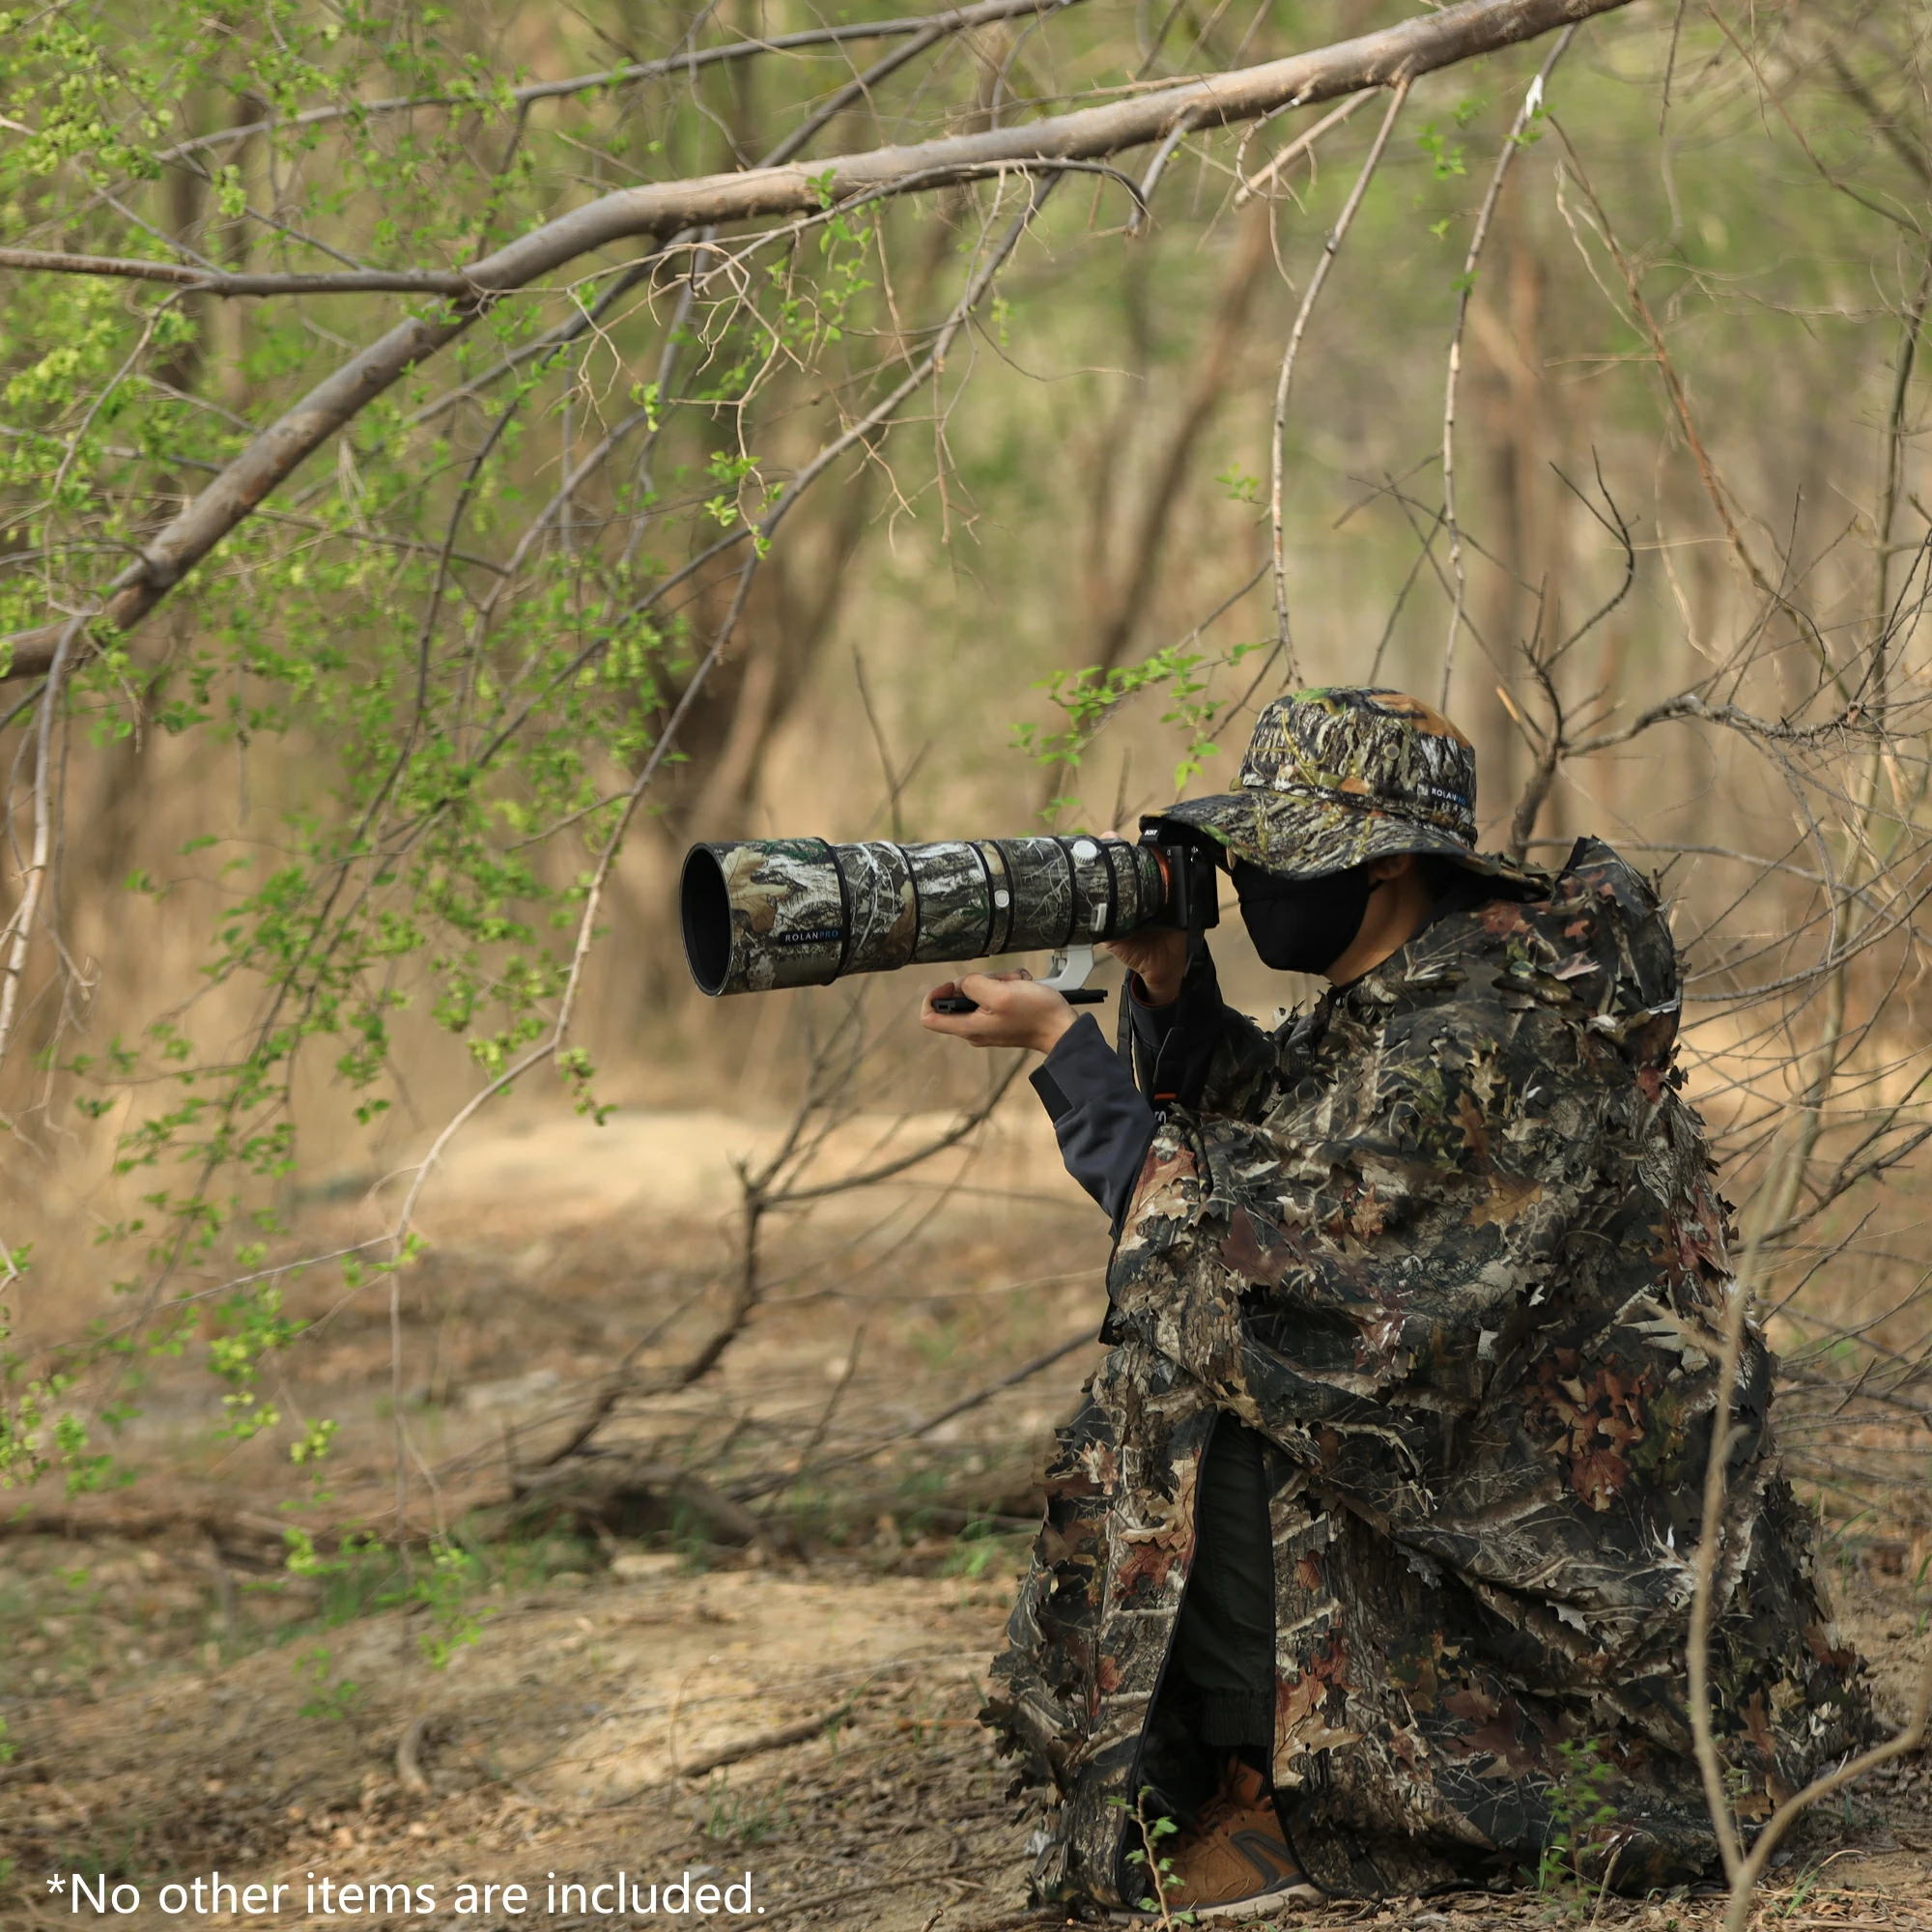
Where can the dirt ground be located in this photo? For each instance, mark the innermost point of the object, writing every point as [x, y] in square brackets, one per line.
[797, 1716]
[572, 1741]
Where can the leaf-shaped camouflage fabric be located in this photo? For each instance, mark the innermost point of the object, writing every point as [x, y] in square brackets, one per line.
[1452, 1242]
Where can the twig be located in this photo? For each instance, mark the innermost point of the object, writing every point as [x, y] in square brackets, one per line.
[1681, 404]
[217, 282]
[1670, 65]
[1704, 1563]
[18, 933]
[1531, 105]
[801, 1465]
[1254, 183]
[1895, 479]
[1175, 136]
[704, 1763]
[1277, 455]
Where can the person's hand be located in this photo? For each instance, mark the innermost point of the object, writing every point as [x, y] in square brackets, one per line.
[1158, 954]
[1015, 1011]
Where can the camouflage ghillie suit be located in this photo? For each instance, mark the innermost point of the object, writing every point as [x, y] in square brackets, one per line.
[1451, 1242]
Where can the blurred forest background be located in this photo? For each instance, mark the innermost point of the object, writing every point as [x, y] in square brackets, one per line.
[935, 512]
[450, 459]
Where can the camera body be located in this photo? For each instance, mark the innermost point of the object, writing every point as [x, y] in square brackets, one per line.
[762, 914]
[1191, 863]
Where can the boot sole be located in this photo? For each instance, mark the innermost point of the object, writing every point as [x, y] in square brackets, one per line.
[1234, 1911]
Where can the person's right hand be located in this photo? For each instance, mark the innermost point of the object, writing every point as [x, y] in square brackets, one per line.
[1158, 954]
[1013, 1010]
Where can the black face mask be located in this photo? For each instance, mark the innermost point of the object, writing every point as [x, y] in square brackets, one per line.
[1302, 925]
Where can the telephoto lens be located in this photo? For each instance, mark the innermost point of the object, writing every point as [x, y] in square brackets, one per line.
[763, 914]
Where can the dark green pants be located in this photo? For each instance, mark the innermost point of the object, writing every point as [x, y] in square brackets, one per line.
[1223, 1664]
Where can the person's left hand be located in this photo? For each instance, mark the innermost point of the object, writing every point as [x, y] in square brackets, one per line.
[1014, 1009]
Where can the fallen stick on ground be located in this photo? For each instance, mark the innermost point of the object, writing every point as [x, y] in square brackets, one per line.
[409, 1753]
[796, 1733]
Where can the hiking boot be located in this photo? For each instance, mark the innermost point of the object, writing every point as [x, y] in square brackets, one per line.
[1235, 1862]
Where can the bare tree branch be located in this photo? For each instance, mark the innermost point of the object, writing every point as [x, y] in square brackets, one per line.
[1277, 453]
[18, 933]
[1392, 56]
[214, 282]
[1303, 143]
[1744, 1870]
[1532, 103]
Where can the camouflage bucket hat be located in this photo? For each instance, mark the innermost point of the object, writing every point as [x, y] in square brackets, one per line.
[1336, 777]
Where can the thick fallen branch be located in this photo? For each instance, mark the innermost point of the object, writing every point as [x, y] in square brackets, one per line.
[250, 1538]
[661, 210]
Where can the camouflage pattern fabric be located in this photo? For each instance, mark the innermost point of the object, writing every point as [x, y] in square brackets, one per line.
[1452, 1242]
[1338, 776]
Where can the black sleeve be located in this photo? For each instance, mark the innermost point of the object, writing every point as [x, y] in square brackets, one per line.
[1102, 1117]
[1103, 1120]
[1173, 1045]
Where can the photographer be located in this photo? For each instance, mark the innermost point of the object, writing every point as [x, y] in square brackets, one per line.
[1368, 1558]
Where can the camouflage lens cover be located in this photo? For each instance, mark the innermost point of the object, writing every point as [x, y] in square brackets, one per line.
[764, 914]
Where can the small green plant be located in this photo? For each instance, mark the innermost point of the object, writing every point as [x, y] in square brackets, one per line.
[446, 1590]
[1087, 698]
[1801, 1889]
[1154, 1826]
[1579, 1805]
[734, 1819]
[331, 1702]
[365, 1575]
[982, 1547]
[1241, 487]
[1445, 154]
[690, 1538]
